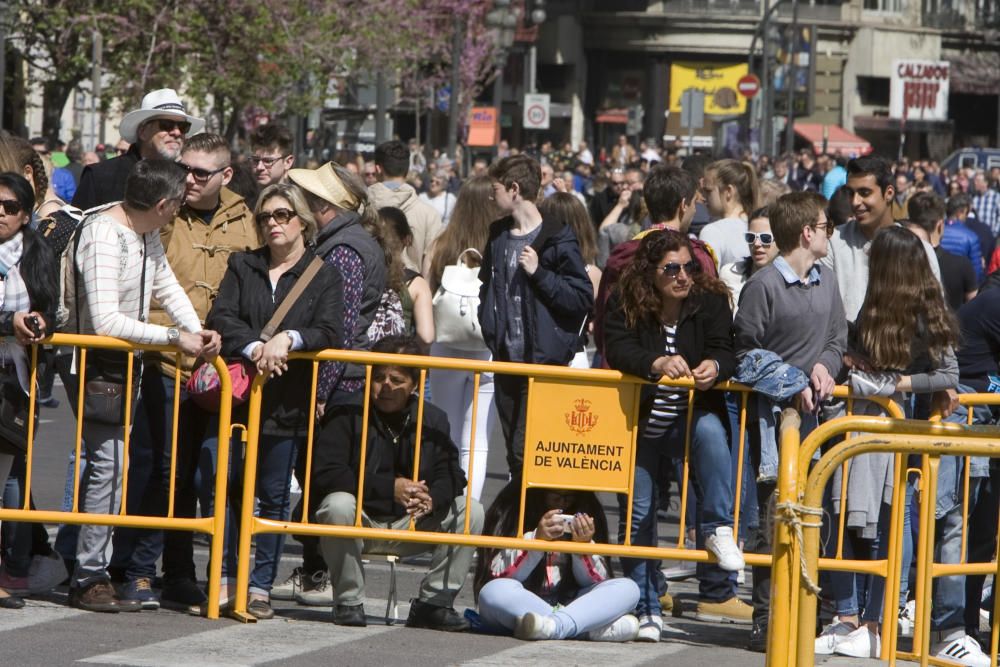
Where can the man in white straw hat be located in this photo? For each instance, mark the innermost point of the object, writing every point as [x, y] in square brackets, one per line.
[156, 130]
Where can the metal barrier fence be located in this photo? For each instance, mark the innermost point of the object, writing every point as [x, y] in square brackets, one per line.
[213, 526]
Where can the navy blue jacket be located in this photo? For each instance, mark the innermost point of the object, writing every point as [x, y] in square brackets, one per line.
[560, 298]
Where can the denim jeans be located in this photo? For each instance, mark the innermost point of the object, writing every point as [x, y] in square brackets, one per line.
[275, 461]
[710, 463]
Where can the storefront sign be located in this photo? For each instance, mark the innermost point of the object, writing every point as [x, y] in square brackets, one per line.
[720, 83]
[919, 89]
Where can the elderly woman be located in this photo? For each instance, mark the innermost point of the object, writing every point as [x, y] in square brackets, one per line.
[670, 319]
[27, 312]
[254, 286]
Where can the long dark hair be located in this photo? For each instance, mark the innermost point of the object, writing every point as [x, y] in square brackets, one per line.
[566, 208]
[501, 520]
[468, 227]
[902, 295]
[641, 299]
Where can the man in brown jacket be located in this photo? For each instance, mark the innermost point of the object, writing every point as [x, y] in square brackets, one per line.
[213, 223]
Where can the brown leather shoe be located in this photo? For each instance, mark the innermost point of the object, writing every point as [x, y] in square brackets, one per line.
[98, 596]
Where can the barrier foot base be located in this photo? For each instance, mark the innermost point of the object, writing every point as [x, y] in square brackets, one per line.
[242, 617]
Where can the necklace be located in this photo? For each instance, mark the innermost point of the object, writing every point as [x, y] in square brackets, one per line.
[393, 434]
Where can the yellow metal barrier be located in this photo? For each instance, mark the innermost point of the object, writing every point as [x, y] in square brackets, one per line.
[214, 525]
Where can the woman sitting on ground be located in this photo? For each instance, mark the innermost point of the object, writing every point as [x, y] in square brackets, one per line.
[547, 594]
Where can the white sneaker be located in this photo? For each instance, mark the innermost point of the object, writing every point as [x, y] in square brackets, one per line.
[290, 587]
[45, 573]
[725, 549]
[650, 628]
[963, 650]
[832, 634]
[532, 627]
[861, 643]
[683, 570]
[741, 578]
[907, 615]
[625, 629]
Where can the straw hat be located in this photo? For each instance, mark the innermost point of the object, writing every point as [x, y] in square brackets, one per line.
[325, 184]
[163, 103]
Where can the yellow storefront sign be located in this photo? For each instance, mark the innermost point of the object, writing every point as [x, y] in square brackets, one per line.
[580, 436]
[718, 81]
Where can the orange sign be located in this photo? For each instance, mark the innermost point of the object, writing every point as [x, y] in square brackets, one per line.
[484, 127]
[580, 435]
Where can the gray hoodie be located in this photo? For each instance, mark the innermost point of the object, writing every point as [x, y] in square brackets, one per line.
[425, 222]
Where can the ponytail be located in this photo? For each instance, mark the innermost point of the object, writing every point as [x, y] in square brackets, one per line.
[743, 177]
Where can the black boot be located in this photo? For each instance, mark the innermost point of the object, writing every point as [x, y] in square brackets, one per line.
[433, 617]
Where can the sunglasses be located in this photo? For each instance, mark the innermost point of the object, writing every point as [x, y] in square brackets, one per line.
[673, 269]
[266, 161]
[201, 175]
[765, 238]
[10, 206]
[169, 125]
[280, 215]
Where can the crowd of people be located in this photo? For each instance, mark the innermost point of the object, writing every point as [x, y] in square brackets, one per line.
[789, 275]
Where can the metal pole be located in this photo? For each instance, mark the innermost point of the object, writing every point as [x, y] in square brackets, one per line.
[95, 86]
[765, 81]
[456, 83]
[790, 126]
[380, 104]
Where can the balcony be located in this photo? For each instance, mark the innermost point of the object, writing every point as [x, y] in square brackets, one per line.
[713, 7]
[812, 11]
[945, 19]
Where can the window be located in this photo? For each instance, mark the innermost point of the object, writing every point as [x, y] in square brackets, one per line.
[888, 6]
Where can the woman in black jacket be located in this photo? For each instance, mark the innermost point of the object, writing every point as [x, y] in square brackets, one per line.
[667, 318]
[28, 295]
[254, 286]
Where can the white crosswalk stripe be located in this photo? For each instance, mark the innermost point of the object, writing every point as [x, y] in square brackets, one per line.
[578, 653]
[35, 613]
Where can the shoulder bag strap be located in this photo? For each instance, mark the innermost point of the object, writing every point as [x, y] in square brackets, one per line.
[286, 304]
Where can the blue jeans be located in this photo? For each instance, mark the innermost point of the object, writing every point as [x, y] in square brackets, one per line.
[275, 461]
[711, 467]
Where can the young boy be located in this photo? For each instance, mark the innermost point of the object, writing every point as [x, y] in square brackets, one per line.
[793, 309]
[535, 294]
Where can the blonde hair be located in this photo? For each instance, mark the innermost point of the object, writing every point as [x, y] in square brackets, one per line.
[294, 195]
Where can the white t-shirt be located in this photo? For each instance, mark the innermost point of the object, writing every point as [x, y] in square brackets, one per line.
[726, 238]
[444, 204]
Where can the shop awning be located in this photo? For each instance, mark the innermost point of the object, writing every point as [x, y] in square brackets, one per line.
[837, 139]
[618, 116]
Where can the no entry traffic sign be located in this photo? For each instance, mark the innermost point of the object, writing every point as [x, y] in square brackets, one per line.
[748, 85]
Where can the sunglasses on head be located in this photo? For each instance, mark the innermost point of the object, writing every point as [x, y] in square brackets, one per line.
[280, 215]
[765, 238]
[10, 206]
[199, 174]
[673, 269]
[169, 125]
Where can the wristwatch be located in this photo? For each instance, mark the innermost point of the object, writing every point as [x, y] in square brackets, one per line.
[173, 335]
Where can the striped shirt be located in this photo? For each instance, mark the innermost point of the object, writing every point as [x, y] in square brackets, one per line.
[669, 402]
[987, 208]
[109, 262]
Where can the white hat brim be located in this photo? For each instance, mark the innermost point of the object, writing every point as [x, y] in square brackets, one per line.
[129, 127]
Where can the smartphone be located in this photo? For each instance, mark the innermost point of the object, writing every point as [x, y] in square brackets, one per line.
[567, 520]
[34, 325]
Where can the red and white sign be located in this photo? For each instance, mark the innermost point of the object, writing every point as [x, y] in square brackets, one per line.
[919, 89]
[536, 111]
[748, 85]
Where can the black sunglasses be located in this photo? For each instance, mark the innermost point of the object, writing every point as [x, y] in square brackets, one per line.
[201, 175]
[673, 269]
[10, 206]
[766, 238]
[169, 125]
[280, 215]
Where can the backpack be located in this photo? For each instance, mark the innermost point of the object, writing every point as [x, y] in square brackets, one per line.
[388, 319]
[456, 305]
[59, 229]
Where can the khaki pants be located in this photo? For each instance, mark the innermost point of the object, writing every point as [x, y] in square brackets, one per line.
[449, 564]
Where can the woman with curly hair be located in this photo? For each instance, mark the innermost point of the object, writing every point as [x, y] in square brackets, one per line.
[668, 319]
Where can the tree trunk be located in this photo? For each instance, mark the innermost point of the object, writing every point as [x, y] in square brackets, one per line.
[233, 124]
[54, 96]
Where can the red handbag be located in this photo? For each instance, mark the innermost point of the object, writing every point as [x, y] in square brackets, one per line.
[205, 388]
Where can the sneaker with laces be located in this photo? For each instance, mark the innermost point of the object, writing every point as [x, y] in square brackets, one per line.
[650, 628]
[831, 635]
[315, 591]
[724, 548]
[860, 643]
[625, 629]
[141, 590]
[961, 650]
[907, 615]
[289, 587]
[45, 573]
[733, 610]
[535, 627]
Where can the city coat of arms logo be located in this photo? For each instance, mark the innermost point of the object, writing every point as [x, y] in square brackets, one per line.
[581, 419]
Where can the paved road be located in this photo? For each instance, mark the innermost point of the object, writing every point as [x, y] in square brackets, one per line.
[47, 632]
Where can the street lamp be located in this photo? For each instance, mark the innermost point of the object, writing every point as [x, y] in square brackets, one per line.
[502, 20]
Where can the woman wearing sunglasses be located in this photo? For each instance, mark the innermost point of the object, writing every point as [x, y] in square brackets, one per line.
[254, 286]
[669, 320]
[762, 249]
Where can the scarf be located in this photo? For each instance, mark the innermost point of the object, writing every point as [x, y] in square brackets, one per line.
[15, 299]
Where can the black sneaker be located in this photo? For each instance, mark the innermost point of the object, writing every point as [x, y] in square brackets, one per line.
[433, 617]
[181, 594]
[350, 615]
[758, 636]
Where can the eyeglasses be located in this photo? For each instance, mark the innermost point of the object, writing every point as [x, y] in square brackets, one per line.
[268, 162]
[280, 215]
[673, 269]
[618, 184]
[202, 175]
[10, 206]
[827, 226]
[765, 238]
[169, 125]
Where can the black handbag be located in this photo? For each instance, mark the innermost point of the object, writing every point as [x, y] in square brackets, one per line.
[14, 411]
[107, 371]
